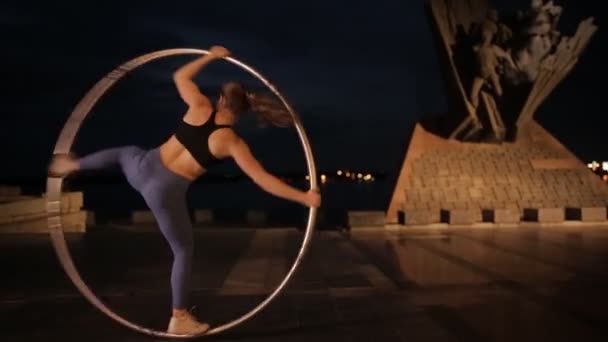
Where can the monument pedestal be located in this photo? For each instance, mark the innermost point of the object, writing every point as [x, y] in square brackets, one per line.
[534, 179]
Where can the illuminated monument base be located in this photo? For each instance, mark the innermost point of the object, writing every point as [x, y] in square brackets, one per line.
[533, 179]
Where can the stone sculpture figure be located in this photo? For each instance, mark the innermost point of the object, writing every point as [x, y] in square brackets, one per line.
[502, 33]
[538, 29]
[500, 71]
[489, 58]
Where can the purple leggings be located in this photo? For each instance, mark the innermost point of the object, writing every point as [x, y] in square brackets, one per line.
[165, 195]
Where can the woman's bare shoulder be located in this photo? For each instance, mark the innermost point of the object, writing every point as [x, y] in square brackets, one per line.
[198, 115]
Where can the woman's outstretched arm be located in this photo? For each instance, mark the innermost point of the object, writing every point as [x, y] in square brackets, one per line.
[246, 161]
[188, 90]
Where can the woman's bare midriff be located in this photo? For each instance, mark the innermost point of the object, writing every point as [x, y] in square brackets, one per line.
[177, 159]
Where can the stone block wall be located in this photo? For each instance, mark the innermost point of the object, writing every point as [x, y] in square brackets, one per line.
[27, 214]
[463, 183]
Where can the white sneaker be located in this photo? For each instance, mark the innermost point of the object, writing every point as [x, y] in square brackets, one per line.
[186, 325]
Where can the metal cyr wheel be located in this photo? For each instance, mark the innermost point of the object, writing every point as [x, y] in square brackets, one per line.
[64, 145]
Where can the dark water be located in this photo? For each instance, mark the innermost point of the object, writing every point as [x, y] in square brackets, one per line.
[111, 198]
[239, 196]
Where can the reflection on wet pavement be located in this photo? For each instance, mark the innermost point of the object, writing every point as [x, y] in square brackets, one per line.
[462, 284]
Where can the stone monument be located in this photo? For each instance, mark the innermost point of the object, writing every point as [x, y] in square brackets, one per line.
[489, 160]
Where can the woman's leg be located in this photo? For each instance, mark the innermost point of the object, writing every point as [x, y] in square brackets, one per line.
[167, 200]
[175, 225]
[112, 157]
[124, 157]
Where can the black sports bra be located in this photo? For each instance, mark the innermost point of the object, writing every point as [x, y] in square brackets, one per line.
[196, 139]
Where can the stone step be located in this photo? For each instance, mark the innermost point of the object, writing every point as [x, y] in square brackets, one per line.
[596, 214]
[420, 216]
[366, 218]
[464, 216]
[75, 222]
[425, 216]
[29, 208]
[587, 214]
[506, 215]
[544, 215]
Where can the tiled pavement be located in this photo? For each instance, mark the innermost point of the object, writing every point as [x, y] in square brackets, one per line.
[477, 284]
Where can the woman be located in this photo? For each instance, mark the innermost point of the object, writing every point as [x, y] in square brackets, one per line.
[162, 175]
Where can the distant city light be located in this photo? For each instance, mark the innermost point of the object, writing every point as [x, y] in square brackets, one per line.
[593, 165]
[600, 169]
[328, 176]
[343, 175]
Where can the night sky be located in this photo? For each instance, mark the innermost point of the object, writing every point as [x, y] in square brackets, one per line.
[358, 74]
